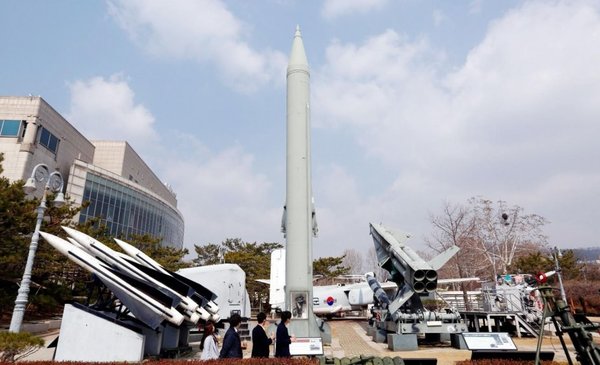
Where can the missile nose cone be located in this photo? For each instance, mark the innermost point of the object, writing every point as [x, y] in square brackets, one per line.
[69, 230]
[58, 243]
[46, 236]
[298, 58]
[78, 236]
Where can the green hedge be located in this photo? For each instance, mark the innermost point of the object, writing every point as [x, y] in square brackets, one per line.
[14, 346]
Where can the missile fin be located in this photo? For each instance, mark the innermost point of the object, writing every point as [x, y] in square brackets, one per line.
[441, 259]
[401, 298]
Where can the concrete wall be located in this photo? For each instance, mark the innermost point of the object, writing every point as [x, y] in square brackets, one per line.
[119, 158]
[22, 153]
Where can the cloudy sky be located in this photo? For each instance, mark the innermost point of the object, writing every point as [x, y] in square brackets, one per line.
[414, 103]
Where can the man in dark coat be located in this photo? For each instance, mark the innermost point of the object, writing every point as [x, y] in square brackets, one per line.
[232, 345]
[260, 340]
[283, 338]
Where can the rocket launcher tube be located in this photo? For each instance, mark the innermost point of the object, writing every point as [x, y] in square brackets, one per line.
[416, 273]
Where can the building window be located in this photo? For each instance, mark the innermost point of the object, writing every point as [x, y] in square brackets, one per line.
[9, 128]
[49, 140]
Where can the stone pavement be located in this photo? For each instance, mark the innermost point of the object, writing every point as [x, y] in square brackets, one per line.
[350, 339]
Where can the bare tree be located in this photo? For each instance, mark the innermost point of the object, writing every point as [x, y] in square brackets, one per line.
[503, 232]
[495, 232]
[456, 226]
[353, 260]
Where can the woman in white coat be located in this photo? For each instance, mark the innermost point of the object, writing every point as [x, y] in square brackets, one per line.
[209, 344]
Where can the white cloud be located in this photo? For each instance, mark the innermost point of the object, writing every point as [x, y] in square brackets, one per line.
[383, 88]
[105, 108]
[205, 31]
[336, 8]
[513, 122]
[219, 192]
[221, 195]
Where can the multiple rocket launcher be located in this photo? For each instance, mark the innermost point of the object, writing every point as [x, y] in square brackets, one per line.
[150, 292]
[409, 271]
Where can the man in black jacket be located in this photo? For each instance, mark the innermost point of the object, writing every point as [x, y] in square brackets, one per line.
[260, 340]
[232, 345]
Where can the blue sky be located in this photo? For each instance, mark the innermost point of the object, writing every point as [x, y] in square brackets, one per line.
[414, 104]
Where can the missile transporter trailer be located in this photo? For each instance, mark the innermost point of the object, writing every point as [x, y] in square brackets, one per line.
[402, 318]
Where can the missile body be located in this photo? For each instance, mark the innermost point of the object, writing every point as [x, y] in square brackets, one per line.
[394, 256]
[206, 296]
[299, 222]
[100, 250]
[377, 290]
[142, 305]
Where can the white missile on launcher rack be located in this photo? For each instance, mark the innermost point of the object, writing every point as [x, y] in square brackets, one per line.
[76, 244]
[145, 303]
[147, 261]
[176, 290]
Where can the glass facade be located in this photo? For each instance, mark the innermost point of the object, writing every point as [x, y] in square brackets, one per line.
[126, 211]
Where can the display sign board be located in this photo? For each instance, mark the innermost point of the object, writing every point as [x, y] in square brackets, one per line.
[488, 341]
[306, 346]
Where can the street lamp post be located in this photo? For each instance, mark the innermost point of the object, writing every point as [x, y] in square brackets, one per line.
[54, 183]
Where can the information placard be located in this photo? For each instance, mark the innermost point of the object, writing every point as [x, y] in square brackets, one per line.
[488, 341]
[306, 346]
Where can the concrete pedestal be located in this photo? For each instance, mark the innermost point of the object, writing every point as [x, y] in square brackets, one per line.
[154, 340]
[170, 337]
[380, 336]
[397, 342]
[457, 341]
[87, 337]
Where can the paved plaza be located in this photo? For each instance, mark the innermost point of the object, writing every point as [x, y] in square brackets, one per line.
[350, 339]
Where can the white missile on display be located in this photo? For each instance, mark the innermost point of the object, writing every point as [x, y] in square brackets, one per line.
[189, 307]
[147, 261]
[144, 306]
[299, 223]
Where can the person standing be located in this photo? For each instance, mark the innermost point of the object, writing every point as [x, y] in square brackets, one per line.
[283, 338]
[208, 344]
[232, 345]
[260, 340]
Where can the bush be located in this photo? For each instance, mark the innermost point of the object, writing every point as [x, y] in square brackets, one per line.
[14, 346]
[583, 290]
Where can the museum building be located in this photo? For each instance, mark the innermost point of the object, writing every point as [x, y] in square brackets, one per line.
[121, 189]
